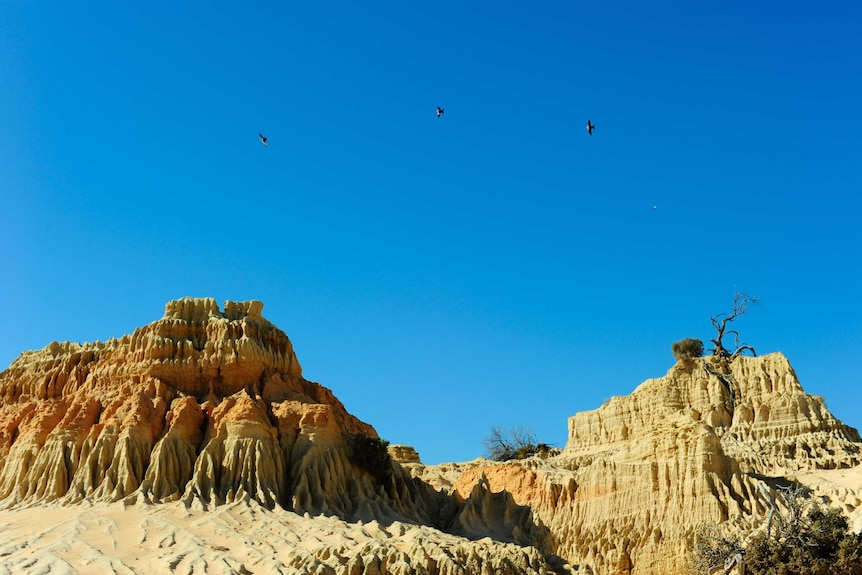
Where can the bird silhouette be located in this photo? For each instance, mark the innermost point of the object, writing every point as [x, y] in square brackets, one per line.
[263, 139]
[590, 127]
[439, 111]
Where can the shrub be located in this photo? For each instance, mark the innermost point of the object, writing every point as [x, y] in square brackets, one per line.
[814, 543]
[821, 545]
[514, 443]
[370, 454]
[688, 348]
[712, 549]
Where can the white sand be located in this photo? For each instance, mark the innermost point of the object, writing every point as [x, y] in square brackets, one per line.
[239, 538]
[843, 488]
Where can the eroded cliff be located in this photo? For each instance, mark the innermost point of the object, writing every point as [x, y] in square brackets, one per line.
[202, 402]
[640, 474]
[206, 408]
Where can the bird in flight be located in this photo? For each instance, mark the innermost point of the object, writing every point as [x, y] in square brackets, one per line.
[263, 139]
[439, 111]
[590, 127]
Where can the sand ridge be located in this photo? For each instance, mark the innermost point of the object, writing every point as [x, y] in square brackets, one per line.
[239, 538]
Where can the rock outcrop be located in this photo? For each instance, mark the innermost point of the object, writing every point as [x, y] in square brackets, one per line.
[641, 473]
[205, 408]
[203, 403]
[403, 453]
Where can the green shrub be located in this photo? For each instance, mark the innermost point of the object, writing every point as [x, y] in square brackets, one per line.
[822, 546]
[370, 454]
[688, 348]
[819, 543]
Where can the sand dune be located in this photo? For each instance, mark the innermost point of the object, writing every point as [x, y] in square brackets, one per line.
[240, 538]
[245, 538]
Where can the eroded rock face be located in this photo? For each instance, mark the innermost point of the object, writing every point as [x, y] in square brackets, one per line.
[403, 453]
[641, 473]
[204, 403]
[209, 407]
[758, 409]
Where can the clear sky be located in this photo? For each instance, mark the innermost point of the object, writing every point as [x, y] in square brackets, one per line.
[497, 265]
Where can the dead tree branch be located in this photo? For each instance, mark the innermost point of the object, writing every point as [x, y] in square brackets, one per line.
[741, 303]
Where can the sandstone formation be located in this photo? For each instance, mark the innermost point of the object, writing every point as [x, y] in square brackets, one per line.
[403, 453]
[206, 408]
[641, 473]
[195, 445]
[204, 403]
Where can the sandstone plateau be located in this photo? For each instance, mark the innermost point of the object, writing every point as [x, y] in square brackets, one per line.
[194, 445]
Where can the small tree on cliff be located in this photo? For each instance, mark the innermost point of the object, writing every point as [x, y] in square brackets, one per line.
[741, 303]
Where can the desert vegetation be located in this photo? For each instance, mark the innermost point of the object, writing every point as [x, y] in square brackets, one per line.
[688, 348]
[804, 538]
[513, 443]
[371, 454]
[741, 304]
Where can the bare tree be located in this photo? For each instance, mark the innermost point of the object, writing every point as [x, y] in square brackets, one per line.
[797, 500]
[714, 552]
[513, 443]
[788, 534]
[741, 303]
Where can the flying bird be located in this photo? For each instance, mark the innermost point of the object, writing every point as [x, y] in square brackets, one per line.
[590, 127]
[263, 139]
[439, 111]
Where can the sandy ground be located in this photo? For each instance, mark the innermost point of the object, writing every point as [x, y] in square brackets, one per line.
[241, 538]
[843, 487]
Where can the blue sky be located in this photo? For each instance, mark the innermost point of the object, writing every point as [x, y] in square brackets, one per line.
[497, 265]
